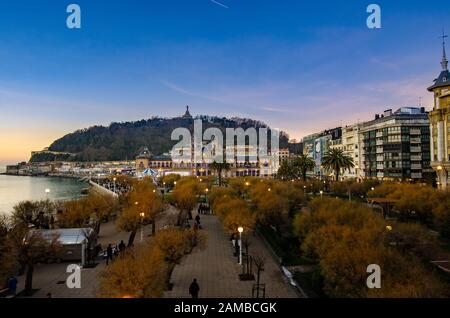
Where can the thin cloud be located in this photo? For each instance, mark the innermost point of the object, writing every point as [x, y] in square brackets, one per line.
[220, 4]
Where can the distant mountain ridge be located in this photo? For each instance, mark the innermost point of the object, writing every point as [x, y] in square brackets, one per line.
[124, 140]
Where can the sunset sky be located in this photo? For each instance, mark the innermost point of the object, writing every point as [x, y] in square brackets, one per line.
[300, 66]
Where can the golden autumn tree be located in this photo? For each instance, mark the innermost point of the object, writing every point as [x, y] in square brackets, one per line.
[148, 201]
[175, 244]
[143, 205]
[185, 197]
[137, 273]
[344, 238]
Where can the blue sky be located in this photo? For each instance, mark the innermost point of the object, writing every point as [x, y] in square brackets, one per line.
[298, 65]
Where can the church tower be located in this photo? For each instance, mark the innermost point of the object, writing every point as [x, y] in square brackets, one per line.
[440, 124]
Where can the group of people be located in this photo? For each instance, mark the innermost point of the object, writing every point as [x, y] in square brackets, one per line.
[204, 209]
[115, 186]
[197, 224]
[112, 252]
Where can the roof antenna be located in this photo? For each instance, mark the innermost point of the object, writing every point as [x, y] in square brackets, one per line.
[444, 61]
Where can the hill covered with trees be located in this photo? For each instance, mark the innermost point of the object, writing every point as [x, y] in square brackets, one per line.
[124, 140]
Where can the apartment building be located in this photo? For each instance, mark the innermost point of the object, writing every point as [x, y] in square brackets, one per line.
[396, 145]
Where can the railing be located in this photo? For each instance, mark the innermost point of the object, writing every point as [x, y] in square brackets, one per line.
[102, 189]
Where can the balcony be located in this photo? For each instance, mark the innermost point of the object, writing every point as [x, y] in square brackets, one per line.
[416, 149]
[379, 134]
[414, 132]
[416, 166]
[416, 175]
[379, 142]
[415, 140]
[416, 158]
[380, 166]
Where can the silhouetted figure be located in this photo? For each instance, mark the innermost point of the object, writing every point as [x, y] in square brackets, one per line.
[121, 246]
[109, 253]
[12, 285]
[194, 289]
[197, 219]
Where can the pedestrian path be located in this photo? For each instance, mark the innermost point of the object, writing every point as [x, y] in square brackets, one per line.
[217, 270]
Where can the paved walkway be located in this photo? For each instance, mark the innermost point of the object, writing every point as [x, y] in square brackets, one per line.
[217, 270]
[51, 278]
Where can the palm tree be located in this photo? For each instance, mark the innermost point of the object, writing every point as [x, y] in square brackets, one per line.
[219, 167]
[336, 160]
[302, 163]
[286, 170]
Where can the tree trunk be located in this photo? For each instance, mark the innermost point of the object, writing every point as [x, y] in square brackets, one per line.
[181, 218]
[220, 177]
[97, 228]
[304, 174]
[337, 175]
[131, 238]
[153, 227]
[29, 279]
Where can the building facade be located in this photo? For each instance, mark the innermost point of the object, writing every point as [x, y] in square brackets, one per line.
[396, 145]
[316, 145]
[440, 125]
[351, 144]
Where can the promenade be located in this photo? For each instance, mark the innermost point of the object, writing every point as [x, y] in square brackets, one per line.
[217, 270]
[215, 267]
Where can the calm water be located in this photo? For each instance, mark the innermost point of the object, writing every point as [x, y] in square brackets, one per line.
[14, 189]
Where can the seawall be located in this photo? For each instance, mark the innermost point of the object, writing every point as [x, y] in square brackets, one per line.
[96, 188]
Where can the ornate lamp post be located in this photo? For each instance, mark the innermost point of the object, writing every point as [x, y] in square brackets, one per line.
[142, 215]
[240, 230]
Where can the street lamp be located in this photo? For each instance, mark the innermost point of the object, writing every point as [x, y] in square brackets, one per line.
[321, 194]
[114, 179]
[240, 230]
[47, 191]
[142, 215]
[164, 190]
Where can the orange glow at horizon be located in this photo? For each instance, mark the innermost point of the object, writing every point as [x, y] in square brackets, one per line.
[16, 144]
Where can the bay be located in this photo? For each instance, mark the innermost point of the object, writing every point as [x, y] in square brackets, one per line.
[14, 189]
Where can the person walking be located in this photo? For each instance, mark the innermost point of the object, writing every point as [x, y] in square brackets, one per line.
[197, 219]
[194, 289]
[121, 246]
[109, 254]
[12, 285]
